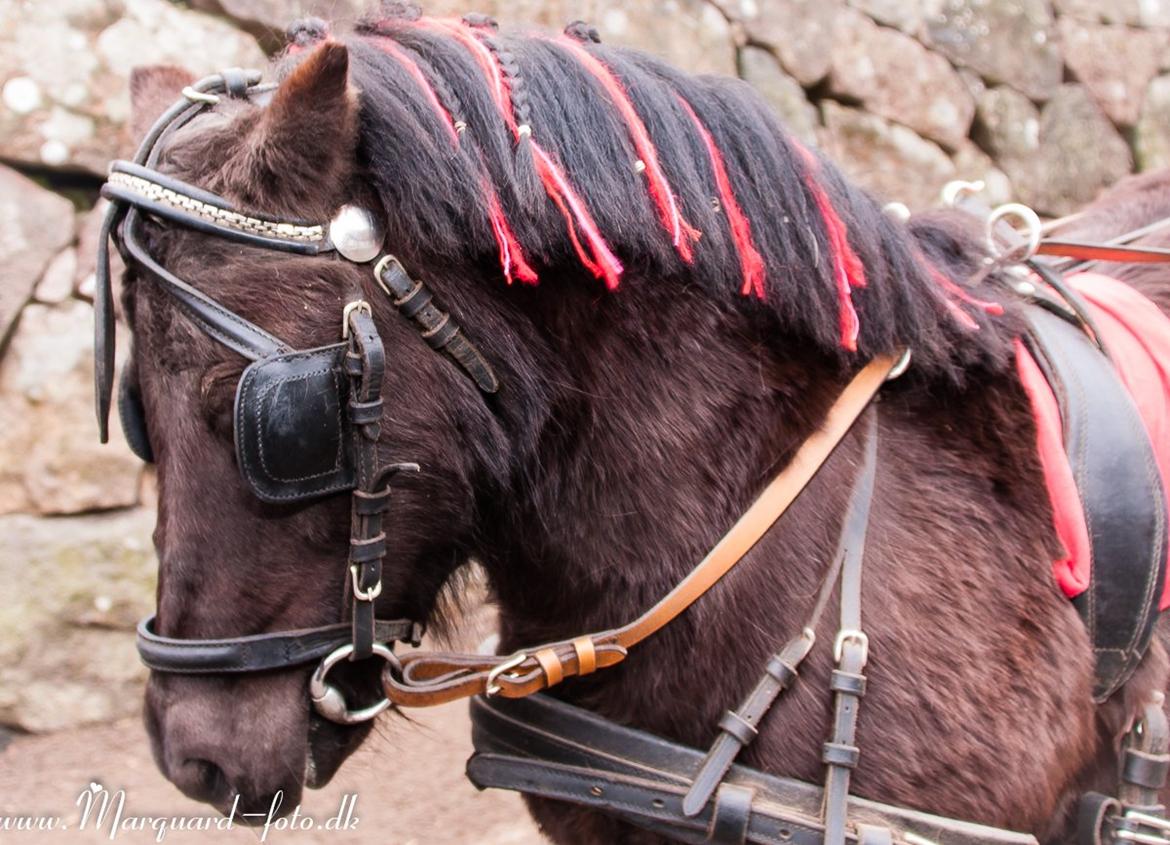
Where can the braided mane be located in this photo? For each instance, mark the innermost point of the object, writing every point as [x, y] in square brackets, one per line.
[534, 155]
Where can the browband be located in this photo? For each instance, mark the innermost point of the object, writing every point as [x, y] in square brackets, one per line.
[176, 201]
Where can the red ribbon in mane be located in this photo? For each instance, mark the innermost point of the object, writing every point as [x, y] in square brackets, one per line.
[750, 261]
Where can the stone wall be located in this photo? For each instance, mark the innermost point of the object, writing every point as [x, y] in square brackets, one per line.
[1046, 103]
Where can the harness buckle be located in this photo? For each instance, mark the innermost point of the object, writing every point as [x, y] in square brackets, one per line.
[1145, 820]
[357, 305]
[491, 687]
[851, 635]
[358, 592]
[1140, 838]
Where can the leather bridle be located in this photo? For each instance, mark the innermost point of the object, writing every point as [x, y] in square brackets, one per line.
[136, 189]
[417, 679]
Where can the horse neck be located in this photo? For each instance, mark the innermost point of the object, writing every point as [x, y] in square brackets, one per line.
[668, 414]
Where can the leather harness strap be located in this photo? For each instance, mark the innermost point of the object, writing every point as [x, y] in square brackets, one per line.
[366, 364]
[257, 652]
[427, 679]
[1104, 252]
[851, 651]
[545, 747]
[738, 728]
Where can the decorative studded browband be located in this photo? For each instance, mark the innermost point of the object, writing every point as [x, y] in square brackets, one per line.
[307, 422]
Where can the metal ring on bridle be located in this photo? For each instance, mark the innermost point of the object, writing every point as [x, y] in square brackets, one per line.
[901, 366]
[1033, 232]
[197, 96]
[330, 702]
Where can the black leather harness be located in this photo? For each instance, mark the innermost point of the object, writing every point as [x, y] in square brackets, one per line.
[1121, 492]
[544, 747]
[548, 748]
[307, 422]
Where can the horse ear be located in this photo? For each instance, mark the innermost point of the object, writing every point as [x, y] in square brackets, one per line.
[308, 132]
[152, 90]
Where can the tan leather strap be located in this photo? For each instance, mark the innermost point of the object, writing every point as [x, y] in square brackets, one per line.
[429, 678]
[1104, 252]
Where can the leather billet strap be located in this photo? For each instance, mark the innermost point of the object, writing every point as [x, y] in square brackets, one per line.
[366, 366]
[738, 728]
[258, 652]
[416, 303]
[851, 652]
[433, 678]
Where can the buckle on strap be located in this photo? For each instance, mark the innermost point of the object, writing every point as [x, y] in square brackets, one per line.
[1139, 820]
[491, 687]
[359, 305]
[358, 592]
[851, 635]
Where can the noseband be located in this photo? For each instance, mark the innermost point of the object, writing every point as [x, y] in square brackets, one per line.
[307, 422]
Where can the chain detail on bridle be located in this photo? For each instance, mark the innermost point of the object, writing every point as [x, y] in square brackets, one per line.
[155, 192]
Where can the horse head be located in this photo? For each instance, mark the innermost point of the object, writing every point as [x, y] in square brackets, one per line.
[231, 564]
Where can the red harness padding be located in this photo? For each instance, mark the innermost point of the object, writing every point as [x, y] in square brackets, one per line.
[1137, 335]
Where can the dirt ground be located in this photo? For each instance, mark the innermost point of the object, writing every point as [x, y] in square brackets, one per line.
[408, 781]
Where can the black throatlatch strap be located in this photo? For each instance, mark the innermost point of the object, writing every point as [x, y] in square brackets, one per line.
[1121, 493]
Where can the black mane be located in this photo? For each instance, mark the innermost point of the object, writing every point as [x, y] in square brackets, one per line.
[433, 190]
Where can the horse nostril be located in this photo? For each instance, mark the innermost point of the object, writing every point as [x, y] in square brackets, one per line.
[202, 780]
